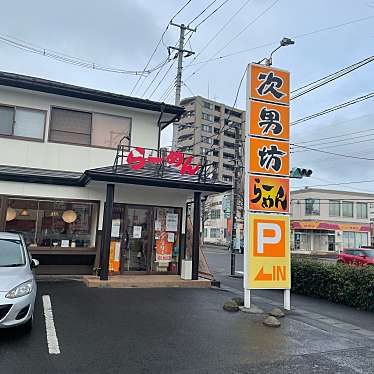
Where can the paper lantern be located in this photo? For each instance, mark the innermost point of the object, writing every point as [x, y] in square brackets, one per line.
[24, 213]
[10, 214]
[69, 216]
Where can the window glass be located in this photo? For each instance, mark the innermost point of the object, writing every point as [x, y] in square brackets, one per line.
[334, 208]
[214, 233]
[215, 214]
[312, 206]
[70, 126]
[347, 209]
[29, 123]
[53, 223]
[362, 210]
[11, 253]
[108, 131]
[6, 120]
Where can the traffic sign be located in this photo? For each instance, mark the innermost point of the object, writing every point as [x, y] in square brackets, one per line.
[269, 251]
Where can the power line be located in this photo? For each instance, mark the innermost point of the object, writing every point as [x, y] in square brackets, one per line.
[342, 183]
[331, 77]
[158, 85]
[237, 35]
[73, 60]
[338, 141]
[218, 32]
[211, 14]
[333, 153]
[329, 28]
[158, 43]
[333, 109]
[202, 12]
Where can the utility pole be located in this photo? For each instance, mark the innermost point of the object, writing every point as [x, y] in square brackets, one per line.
[181, 52]
[235, 199]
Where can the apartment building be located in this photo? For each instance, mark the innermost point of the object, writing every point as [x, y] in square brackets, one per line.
[329, 220]
[207, 125]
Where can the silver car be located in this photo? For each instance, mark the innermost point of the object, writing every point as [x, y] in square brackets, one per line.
[17, 282]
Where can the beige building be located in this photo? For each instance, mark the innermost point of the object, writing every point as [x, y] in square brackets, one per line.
[329, 220]
[208, 125]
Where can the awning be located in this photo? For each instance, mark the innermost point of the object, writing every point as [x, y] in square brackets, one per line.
[151, 175]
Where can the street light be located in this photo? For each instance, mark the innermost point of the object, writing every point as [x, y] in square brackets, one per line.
[283, 43]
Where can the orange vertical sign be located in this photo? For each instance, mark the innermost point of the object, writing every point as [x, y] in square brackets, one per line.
[268, 194]
[269, 156]
[269, 84]
[269, 120]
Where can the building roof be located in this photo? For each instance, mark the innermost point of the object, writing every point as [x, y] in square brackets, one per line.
[148, 176]
[186, 100]
[47, 86]
[338, 192]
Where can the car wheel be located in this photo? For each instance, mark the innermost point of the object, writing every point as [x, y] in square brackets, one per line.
[340, 262]
[28, 325]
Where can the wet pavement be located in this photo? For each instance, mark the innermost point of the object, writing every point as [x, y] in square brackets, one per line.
[175, 331]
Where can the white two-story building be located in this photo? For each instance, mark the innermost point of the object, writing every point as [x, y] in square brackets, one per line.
[67, 186]
[329, 220]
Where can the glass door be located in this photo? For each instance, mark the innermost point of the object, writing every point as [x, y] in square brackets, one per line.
[138, 239]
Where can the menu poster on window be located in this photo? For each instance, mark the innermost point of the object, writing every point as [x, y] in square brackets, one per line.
[64, 243]
[171, 237]
[164, 249]
[115, 247]
[116, 224]
[157, 225]
[171, 222]
[137, 233]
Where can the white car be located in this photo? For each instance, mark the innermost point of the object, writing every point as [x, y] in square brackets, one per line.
[17, 282]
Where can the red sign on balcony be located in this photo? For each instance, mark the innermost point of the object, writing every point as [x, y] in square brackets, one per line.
[136, 159]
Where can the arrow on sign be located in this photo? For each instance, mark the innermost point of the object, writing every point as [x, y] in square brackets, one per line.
[261, 276]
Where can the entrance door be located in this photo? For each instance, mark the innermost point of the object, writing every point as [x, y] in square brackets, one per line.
[138, 232]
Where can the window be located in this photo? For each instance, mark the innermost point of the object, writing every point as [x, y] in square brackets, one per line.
[347, 208]
[228, 156]
[227, 178]
[205, 233]
[217, 108]
[206, 128]
[229, 134]
[184, 126]
[216, 153]
[22, 122]
[207, 105]
[216, 130]
[83, 128]
[206, 139]
[312, 207]
[204, 150]
[214, 233]
[53, 223]
[207, 117]
[228, 167]
[215, 214]
[185, 137]
[334, 208]
[217, 119]
[354, 239]
[229, 145]
[216, 142]
[362, 210]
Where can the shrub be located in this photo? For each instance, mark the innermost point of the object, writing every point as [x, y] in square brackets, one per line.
[339, 283]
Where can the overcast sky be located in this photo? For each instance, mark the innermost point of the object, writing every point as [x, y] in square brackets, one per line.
[123, 33]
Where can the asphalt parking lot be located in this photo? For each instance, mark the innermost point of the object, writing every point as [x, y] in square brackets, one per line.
[173, 331]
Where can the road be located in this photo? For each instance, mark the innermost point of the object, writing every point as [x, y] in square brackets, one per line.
[219, 263]
[184, 331]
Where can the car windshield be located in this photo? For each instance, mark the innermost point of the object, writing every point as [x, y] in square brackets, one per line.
[11, 253]
[368, 253]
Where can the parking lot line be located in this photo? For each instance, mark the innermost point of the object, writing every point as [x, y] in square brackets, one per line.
[52, 341]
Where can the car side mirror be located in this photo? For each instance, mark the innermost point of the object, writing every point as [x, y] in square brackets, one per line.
[34, 263]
